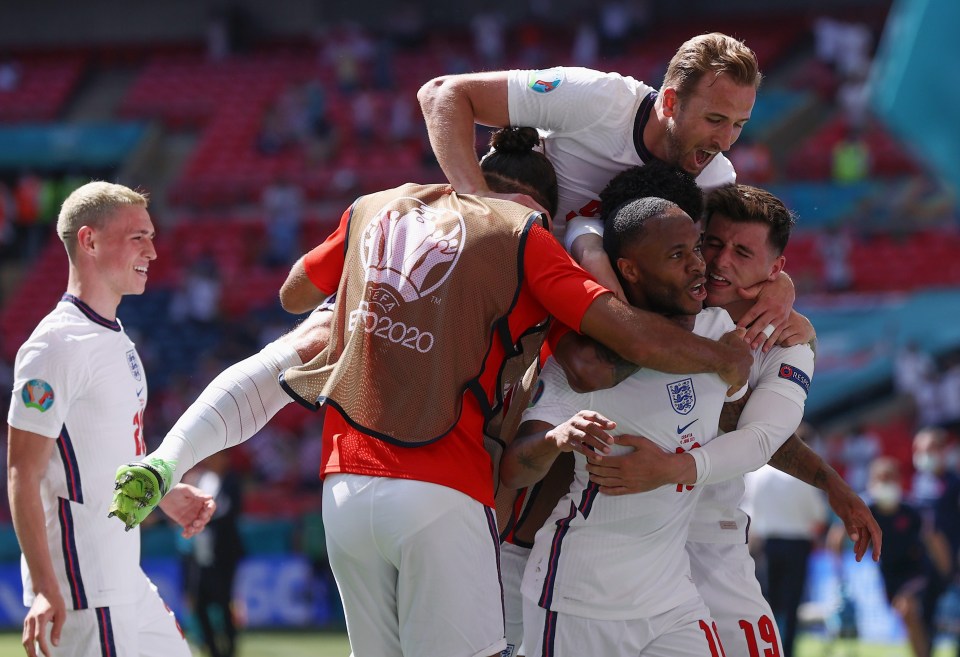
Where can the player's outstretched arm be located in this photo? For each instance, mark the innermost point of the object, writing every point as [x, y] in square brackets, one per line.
[651, 340]
[797, 459]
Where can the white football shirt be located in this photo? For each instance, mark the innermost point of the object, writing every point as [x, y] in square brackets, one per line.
[787, 372]
[78, 380]
[592, 124]
[622, 557]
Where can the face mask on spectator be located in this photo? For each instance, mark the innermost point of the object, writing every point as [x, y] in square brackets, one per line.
[885, 494]
[926, 462]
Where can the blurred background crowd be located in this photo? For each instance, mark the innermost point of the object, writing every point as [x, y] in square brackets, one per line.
[252, 127]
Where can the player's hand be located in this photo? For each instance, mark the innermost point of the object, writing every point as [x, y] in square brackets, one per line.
[139, 488]
[861, 526]
[597, 262]
[735, 366]
[646, 468]
[46, 608]
[797, 330]
[585, 432]
[189, 507]
[773, 301]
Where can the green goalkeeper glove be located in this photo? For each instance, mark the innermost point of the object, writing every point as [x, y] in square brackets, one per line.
[139, 488]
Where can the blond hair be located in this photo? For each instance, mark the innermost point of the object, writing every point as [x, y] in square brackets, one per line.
[714, 53]
[92, 205]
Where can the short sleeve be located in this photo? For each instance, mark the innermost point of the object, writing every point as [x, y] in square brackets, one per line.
[788, 372]
[553, 401]
[324, 263]
[559, 284]
[47, 378]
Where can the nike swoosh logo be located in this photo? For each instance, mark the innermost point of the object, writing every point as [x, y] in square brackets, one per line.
[684, 427]
[140, 391]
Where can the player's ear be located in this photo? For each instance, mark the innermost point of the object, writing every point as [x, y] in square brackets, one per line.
[85, 238]
[628, 270]
[670, 101]
[778, 265]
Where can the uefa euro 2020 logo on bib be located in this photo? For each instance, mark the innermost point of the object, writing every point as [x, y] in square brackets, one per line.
[413, 251]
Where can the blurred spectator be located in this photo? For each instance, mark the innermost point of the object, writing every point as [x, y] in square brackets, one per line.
[835, 245]
[853, 96]
[911, 365]
[851, 159]
[402, 121]
[860, 447]
[616, 22]
[349, 50]
[904, 564]
[283, 206]
[7, 230]
[936, 494]
[197, 300]
[787, 519]
[28, 227]
[950, 394]
[488, 29]
[928, 399]
[215, 554]
[932, 478]
[363, 110]
[273, 137]
[9, 74]
[586, 43]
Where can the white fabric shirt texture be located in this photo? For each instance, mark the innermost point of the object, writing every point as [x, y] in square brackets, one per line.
[622, 557]
[78, 380]
[782, 506]
[592, 124]
[779, 381]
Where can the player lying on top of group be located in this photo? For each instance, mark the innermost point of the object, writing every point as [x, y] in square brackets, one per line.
[598, 124]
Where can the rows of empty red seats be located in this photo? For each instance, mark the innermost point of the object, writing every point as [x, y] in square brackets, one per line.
[43, 88]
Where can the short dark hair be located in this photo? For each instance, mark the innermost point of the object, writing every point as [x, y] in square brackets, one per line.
[513, 166]
[746, 204]
[654, 179]
[629, 222]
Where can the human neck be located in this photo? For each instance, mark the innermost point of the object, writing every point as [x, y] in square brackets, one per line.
[654, 133]
[100, 299]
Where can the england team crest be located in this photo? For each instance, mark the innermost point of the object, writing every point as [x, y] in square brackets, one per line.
[134, 365]
[682, 395]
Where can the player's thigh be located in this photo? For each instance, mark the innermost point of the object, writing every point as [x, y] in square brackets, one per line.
[549, 633]
[686, 631]
[159, 633]
[94, 633]
[367, 581]
[449, 597]
[726, 578]
[513, 560]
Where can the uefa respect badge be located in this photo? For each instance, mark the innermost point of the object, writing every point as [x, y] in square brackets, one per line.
[38, 394]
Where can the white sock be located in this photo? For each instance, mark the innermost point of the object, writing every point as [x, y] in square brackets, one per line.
[235, 406]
